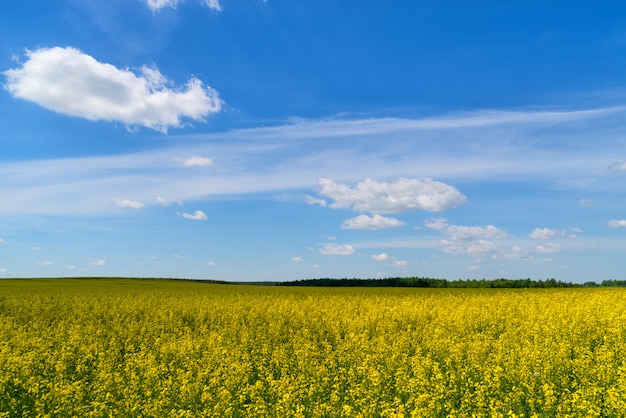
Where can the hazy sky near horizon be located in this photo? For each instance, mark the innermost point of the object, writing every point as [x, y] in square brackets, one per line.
[279, 140]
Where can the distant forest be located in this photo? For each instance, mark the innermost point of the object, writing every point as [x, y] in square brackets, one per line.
[443, 283]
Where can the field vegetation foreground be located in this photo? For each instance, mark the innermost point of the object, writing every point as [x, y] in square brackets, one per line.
[155, 348]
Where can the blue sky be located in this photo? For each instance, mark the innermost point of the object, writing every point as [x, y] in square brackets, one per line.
[280, 140]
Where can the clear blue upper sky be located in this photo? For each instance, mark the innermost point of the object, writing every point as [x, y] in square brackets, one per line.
[278, 140]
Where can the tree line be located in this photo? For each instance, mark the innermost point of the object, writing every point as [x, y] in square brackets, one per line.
[443, 283]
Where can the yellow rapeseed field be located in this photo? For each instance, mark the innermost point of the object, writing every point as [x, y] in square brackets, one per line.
[150, 348]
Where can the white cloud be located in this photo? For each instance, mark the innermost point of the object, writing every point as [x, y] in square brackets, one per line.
[544, 233]
[400, 196]
[468, 233]
[67, 81]
[371, 222]
[315, 201]
[195, 161]
[82, 185]
[156, 5]
[2, 241]
[98, 263]
[473, 248]
[618, 167]
[213, 4]
[196, 216]
[617, 223]
[438, 224]
[70, 267]
[162, 201]
[45, 263]
[465, 233]
[160, 4]
[212, 263]
[573, 232]
[471, 240]
[380, 257]
[334, 249]
[399, 263]
[548, 248]
[517, 253]
[297, 259]
[586, 202]
[125, 203]
[3, 270]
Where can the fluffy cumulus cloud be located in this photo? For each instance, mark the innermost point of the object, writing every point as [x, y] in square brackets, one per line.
[465, 233]
[544, 233]
[156, 5]
[548, 248]
[472, 240]
[67, 81]
[517, 253]
[335, 249]
[473, 248]
[196, 216]
[315, 201]
[195, 161]
[98, 263]
[371, 222]
[126, 203]
[380, 257]
[401, 195]
[617, 223]
[297, 259]
[162, 201]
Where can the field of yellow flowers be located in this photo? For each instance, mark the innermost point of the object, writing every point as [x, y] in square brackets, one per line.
[156, 348]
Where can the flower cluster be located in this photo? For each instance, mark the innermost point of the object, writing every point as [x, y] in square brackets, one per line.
[99, 348]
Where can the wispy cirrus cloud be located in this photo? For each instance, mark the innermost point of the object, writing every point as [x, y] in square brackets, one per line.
[70, 82]
[270, 159]
[617, 223]
[618, 167]
[156, 5]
